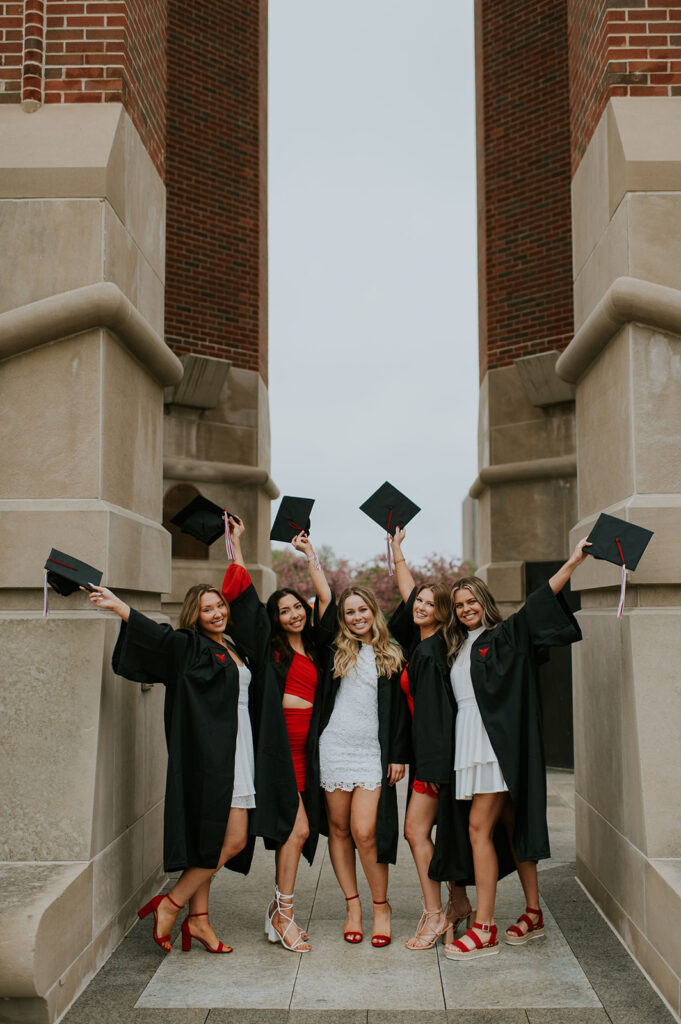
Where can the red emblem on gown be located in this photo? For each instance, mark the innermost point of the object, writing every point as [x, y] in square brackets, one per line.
[220, 657]
[483, 651]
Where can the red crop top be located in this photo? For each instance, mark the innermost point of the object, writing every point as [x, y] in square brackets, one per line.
[301, 678]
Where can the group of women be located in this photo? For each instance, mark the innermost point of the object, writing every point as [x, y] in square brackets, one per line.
[285, 721]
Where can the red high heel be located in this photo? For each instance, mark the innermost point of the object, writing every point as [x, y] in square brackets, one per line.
[187, 937]
[152, 908]
[353, 937]
[381, 940]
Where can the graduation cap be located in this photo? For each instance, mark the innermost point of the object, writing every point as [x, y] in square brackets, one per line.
[390, 508]
[66, 575]
[202, 519]
[292, 518]
[619, 542]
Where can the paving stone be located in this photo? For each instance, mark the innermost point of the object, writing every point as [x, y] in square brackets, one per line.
[406, 1017]
[486, 1017]
[655, 1013]
[569, 1016]
[330, 1017]
[221, 1016]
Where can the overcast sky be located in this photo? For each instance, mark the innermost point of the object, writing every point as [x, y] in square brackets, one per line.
[372, 263]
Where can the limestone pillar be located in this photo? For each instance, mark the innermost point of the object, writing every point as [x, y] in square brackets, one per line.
[625, 360]
[83, 366]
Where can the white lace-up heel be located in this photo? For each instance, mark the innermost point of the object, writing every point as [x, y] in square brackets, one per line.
[283, 905]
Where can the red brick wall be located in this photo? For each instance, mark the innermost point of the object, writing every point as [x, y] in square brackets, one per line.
[619, 48]
[524, 248]
[216, 284]
[89, 51]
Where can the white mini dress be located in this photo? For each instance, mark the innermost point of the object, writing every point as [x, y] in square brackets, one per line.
[243, 793]
[476, 766]
[349, 751]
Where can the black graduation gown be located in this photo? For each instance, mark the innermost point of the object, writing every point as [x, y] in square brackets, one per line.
[504, 663]
[249, 624]
[393, 738]
[200, 713]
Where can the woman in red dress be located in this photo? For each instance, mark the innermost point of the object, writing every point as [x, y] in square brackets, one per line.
[286, 640]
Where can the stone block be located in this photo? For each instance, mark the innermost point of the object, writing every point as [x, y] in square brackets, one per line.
[506, 580]
[540, 382]
[201, 384]
[547, 504]
[608, 260]
[51, 681]
[152, 860]
[127, 267]
[655, 387]
[612, 858]
[117, 872]
[590, 206]
[663, 905]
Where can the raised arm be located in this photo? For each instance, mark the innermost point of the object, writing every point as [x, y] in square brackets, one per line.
[321, 588]
[405, 580]
[236, 529]
[103, 598]
[579, 555]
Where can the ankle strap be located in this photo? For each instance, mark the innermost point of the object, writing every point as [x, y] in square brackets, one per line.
[485, 927]
[379, 903]
[532, 910]
[204, 913]
[355, 897]
[178, 905]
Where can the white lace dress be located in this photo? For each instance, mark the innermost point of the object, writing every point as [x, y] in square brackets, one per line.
[243, 793]
[349, 751]
[475, 763]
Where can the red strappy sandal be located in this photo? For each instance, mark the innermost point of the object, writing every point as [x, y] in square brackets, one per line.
[460, 951]
[381, 940]
[515, 936]
[152, 908]
[353, 937]
[187, 937]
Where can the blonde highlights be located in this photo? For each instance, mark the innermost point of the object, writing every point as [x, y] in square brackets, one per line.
[388, 655]
[456, 632]
[189, 616]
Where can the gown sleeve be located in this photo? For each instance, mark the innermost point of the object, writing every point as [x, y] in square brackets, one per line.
[545, 620]
[325, 627]
[433, 719]
[148, 651]
[249, 623]
[401, 623]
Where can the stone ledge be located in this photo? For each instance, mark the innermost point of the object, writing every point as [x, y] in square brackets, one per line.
[83, 309]
[517, 472]
[627, 300]
[175, 467]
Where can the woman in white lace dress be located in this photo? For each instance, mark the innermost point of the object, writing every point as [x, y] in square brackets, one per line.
[363, 748]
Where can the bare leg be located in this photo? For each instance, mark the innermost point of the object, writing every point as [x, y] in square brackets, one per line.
[485, 811]
[363, 812]
[287, 859]
[421, 815]
[527, 870]
[342, 853]
[193, 884]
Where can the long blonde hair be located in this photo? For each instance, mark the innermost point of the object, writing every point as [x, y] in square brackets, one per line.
[189, 616]
[456, 632]
[388, 655]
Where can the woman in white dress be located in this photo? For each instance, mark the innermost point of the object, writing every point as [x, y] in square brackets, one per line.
[363, 748]
[498, 744]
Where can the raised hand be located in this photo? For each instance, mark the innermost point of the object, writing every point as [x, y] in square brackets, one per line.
[106, 599]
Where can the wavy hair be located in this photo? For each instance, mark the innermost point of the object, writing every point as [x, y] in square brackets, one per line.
[442, 600]
[388, 655]
[189, 616]
[456, 632]
[280, 641]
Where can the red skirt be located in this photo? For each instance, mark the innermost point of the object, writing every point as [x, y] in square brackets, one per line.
[298, 728]
[425, 787]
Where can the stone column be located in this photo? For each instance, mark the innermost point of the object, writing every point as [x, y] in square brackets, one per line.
[625, 360]
[82, 371]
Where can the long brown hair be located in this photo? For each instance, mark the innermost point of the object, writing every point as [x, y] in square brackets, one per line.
[388, 655]
[456, 632]
[189, 616]
[280, 642]
[442, 599]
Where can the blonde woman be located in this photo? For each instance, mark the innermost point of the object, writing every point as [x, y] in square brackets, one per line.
[210, 723]
[363, 748]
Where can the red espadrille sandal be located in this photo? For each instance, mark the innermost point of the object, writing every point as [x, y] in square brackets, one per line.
[516, 934]
[459, 950]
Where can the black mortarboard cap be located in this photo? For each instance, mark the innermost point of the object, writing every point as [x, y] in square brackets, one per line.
[66, 574]
[390, 508]
[202, 519]
[614, 540]
[292, 518]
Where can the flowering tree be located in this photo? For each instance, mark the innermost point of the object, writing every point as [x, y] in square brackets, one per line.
[291, 570]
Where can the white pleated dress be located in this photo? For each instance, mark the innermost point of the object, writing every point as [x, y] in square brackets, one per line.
[243, 793]
[475, 763]
[349, 751]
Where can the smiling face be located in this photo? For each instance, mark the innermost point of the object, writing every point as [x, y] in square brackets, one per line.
[358, 617]
[424, 609]
[468, 609]
[292, 615]
[213, 615]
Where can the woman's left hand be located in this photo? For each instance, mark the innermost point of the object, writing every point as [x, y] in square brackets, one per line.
[580, 553]
[395, 773]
